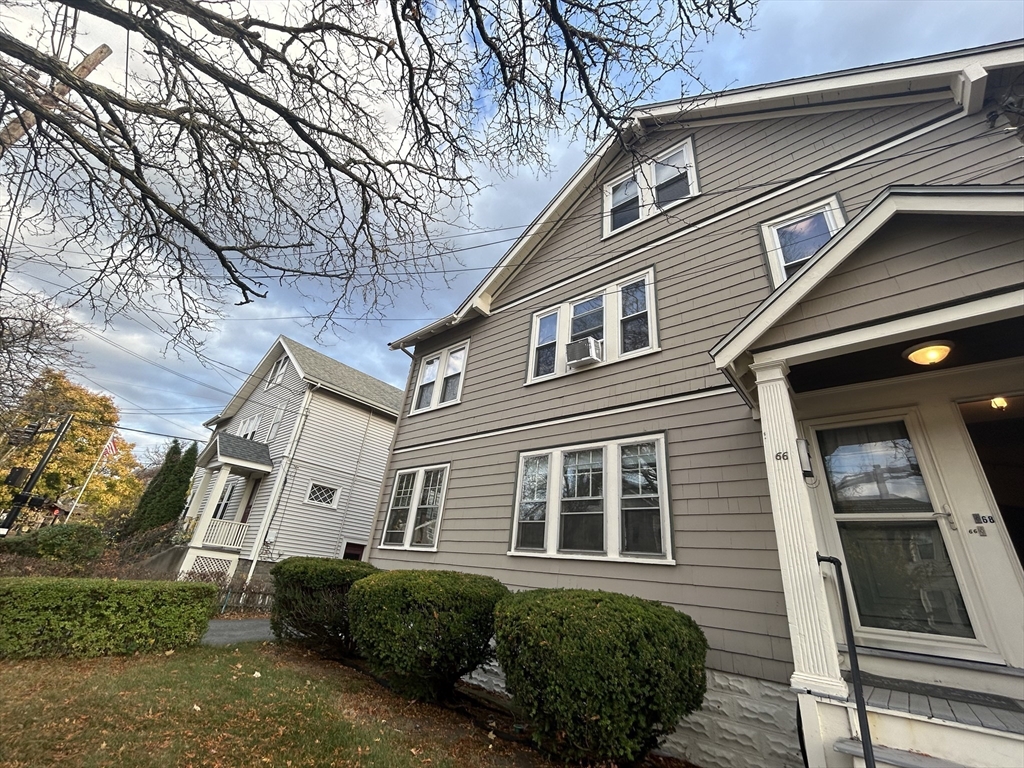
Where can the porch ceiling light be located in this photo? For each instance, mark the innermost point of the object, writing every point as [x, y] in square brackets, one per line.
[999, 403]
[928, 352]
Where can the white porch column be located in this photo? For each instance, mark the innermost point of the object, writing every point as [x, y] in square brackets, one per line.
[815, 657]
[211, 504]
[197, 497]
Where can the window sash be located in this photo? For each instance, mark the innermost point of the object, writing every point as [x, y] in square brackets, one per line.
[440, 378]
[276, 375]
[657, 183]
[601, 505]
[792, 240]
[415, 511]
[620, 315]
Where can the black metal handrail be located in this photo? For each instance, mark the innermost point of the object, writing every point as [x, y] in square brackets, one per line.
[858, 688]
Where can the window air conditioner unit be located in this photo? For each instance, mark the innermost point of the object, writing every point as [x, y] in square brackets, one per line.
[583, 352]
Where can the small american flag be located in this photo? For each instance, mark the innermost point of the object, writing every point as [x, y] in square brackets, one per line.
[111, 447]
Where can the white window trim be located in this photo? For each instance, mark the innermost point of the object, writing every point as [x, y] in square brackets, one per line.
[834, 217]
[249, 427]
[276, 423]
[417, 489]
[643, 172]
[612, 328]
[612, 509]
[276, 375]
[442, 356]
[322, 484]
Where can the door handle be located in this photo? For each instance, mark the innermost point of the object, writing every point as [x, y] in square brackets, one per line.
[947, 513]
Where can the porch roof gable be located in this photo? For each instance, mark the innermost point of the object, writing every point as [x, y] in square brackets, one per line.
[732, 353]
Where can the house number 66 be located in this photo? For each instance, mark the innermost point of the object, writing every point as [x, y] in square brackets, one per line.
[782, 456]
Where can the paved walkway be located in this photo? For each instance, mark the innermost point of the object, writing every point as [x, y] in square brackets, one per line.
[231, 631]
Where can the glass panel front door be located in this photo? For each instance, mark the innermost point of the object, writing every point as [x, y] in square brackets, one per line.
[900, 571]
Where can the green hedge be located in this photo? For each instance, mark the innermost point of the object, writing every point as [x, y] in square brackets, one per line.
[601, 676]
[423, 630]
[99, 617]
[70, 543]
[311, 602]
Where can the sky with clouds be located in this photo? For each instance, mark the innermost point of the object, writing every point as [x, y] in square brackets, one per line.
[791, 38]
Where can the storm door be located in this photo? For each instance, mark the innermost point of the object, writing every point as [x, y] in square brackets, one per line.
[895, 535]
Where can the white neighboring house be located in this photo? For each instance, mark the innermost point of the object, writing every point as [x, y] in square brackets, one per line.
[294, 466]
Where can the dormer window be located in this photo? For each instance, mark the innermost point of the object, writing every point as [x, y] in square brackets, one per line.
[653, 185]
[613, 323]
[791, 240]
[440, 378]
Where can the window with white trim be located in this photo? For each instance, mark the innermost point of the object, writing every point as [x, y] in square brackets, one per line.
[276, 375]
[440, 378]
[653, 185]
[620, 319]
[414, 514]
[248, 427]
[793, 239]
[606, 500]
[221, 508]
[324, 495]
[275, 423]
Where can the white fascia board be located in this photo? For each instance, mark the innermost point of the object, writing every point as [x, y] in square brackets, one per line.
[250, 384]
[880, 80]
[988, 310]
[933, 200]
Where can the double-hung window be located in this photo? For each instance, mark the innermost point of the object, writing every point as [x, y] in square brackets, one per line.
[791, 240]
[618, 318]
[652, 185]
[276, 375]
[606, 500]
[248, 427]
[414, 515]
[440, 378]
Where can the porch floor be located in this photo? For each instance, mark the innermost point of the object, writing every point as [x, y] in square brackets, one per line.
[998, 713]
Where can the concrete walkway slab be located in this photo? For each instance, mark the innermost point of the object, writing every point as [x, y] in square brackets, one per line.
[231, 631]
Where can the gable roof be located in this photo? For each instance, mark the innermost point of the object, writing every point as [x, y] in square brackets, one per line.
[322, 371]
[960, 75]
[729, 354]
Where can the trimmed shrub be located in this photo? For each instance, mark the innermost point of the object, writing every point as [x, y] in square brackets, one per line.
[311, 602]
[99, 617]
[601, 676]
[423, 630]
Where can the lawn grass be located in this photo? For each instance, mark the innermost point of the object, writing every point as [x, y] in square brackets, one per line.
[253, 705]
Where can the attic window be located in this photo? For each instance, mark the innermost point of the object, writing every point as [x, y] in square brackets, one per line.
[791, 240]
[276, 375]
[654, 184]
[446, 365]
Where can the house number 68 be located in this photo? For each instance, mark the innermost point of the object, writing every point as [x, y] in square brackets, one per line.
[782, 456]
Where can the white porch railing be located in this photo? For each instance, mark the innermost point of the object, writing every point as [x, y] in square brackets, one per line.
[225, 533]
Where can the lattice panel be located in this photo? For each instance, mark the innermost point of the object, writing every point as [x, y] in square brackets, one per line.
[211, 566]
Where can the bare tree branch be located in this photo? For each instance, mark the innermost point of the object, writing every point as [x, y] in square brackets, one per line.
[323, 145]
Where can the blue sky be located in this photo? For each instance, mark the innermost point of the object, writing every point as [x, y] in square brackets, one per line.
[791, 38]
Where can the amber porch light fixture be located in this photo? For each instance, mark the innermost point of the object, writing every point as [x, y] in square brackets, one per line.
[928, 352]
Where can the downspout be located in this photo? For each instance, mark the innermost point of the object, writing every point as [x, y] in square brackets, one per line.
[275, 498]
[391, 455]
[352, 487]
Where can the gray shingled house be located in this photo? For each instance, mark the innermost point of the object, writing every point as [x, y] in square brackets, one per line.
[294, 465]
[711, 359]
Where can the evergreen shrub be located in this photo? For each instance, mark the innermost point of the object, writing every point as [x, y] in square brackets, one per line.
[69, 543]
[41, 617]
[601, 676]
[423, 630]
[311, 602]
